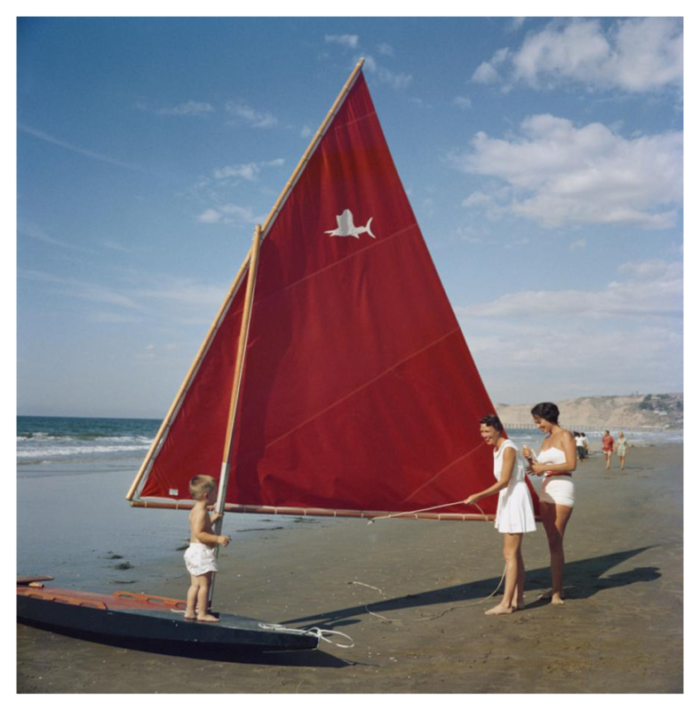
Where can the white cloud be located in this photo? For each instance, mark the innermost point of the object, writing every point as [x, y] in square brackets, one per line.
[349, 41]
[229, 214]
[463, 102]
[634, 55]
[612, 340]
[42, 135]
[578, 244]
[189, 108]
[98, 293]
[35, 232]
[556, 173]
[396, 80]
[386, 49]
[246, 171]
[256, 119]
[654, 289]
[209, 216]
[136, 298]
[486, 72]
[515, 23]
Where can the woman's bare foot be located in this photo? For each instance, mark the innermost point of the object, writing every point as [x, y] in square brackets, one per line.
[551, 596]
[519, 605]
[499, 610]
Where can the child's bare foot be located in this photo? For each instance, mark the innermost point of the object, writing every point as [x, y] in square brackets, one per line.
[557, 600]
[499, 610]
[190, 617]
[207, 618]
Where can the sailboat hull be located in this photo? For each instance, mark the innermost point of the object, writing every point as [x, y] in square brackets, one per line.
[151, 622]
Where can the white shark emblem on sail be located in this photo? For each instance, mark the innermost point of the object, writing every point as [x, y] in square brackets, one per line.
[346, 227]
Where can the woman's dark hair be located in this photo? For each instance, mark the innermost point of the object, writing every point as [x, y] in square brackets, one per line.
[546, 411]
[492, 421]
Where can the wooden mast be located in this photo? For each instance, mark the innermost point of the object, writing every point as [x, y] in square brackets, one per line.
[236, 388]
[238, 374]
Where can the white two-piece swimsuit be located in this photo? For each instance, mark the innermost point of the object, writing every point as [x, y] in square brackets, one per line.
[557, 487]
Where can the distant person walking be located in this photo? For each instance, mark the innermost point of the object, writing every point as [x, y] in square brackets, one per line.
[585, 444]
[578, 437]
[622, 445]
[608, 446]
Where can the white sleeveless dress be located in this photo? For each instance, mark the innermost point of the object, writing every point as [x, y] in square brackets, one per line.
[514, 513]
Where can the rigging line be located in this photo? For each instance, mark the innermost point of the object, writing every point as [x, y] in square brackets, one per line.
[455, 607]
[431, 508]
[433, 617]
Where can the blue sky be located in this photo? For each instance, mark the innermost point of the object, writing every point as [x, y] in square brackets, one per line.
[543, 159]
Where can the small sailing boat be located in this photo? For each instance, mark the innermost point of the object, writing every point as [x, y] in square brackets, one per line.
[150, 621]
[335, 379]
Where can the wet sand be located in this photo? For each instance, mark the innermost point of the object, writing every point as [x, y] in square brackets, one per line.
[620, 631]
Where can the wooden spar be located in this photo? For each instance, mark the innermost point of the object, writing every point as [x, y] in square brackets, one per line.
[296, 511]
[190, 374]
[162, 432]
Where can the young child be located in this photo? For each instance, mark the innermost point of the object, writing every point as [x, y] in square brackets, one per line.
[200, 557]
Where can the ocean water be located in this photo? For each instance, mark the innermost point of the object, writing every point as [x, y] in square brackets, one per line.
[110, 444]
[74, 523]
[99, 441]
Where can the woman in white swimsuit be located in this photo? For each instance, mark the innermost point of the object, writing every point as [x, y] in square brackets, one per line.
[556, 463]
[514, 515]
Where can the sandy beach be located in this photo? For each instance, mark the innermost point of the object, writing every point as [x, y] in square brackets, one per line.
[410, 594]
[324, 263]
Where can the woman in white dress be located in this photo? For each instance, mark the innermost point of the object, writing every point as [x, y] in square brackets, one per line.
[514, 515]
[556, 463]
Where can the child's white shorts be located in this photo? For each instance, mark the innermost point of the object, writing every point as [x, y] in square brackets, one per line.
[200, 559]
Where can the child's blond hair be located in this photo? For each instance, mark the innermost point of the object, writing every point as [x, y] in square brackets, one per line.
[201, 484]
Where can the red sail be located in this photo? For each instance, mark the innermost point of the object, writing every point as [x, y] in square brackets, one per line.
[359, 392]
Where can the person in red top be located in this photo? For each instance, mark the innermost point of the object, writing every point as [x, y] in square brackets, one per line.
[608, 445]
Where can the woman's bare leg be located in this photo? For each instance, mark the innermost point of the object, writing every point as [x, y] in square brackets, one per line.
[511, 546]
[554, 519]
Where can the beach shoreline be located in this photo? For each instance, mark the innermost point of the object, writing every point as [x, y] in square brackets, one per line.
[411, 595]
